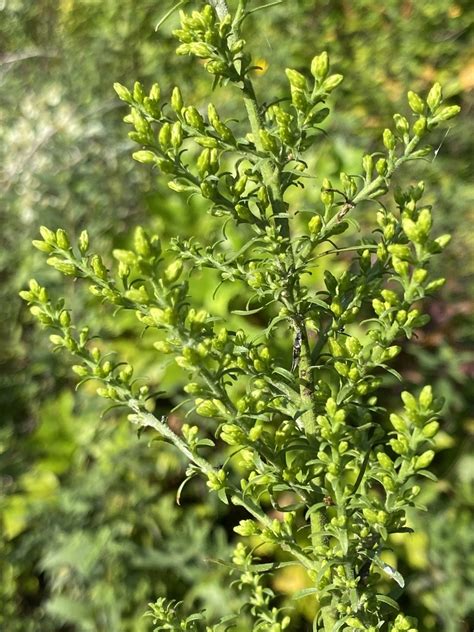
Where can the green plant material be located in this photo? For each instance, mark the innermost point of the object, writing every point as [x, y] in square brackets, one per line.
[305, 423]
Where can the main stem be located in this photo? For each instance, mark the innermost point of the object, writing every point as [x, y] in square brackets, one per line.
[271, 176]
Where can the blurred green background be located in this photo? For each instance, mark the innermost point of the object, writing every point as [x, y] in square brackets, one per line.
[90, 530]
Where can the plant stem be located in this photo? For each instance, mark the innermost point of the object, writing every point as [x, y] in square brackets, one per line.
[145, 419]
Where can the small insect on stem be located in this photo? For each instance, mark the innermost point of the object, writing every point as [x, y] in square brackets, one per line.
[348, 203]
[297, 349]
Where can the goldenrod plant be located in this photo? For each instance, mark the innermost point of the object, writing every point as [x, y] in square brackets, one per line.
[307, 433]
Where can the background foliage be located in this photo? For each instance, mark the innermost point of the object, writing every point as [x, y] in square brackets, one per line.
[90, 528]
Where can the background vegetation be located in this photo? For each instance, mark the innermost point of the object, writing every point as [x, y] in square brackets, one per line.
[90, 528]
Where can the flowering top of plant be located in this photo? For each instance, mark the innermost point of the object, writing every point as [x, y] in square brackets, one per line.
[305, 423]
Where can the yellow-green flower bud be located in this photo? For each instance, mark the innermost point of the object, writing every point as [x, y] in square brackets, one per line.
[240, 184]
[65, 319]
[410, 229]
[430, 429]
[63, 266]
[42, 246]
[424, 460]
[216, 480]
[164, 347]
[206, 408]
[48, 235]
[336, 307]
[416, 103]
[435, 285]
[83, 242]
[314, 224]
[398, 423]
[144, 156]
[173, 271]
[98, 267]
[327, 197]
[400, 267]
[424, 221]
[443, 240]
[435, 97]
[176, 135]
[401, 124]
[419, 126]
[164, 136]
[426, 397]
[141, 242]
[381, 166]
[138, 92]
[320, 66]
[385, 461]
[246, 528]
[331, 83]
[389, 139]
[194, 118]
[123, 93]
[420, 275]
[176, 100]
[62, 239]
[368, 165]
[448, 112]
[296, 79]
[399, 446]
[56, 340]
[200, 49]
[268, 141]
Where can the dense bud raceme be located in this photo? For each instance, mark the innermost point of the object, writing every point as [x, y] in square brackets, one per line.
[299, 403]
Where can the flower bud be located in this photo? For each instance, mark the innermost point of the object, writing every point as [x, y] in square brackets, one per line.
[164, 136]
[141, 242]
[176, 100]
[419, 126]
[216, 479]
[424, 460]
[83, 242]
[448, 113]
[63, 266]
[176, 135]
[385, 461]
[173, 271]
[144, 156]
[48, 235]
[246, 528]
[368, 165]
[399, 446]
[42, 245]
[296, 79]
[430, 429]
[57, 340]
[62, 239]
[98, 267]
[269, 142]
[435, 285]
[194, 118]
[206, 408]
[320, 66]
[426, 397]
[331, 83]
[164, 347]
[389, 139]
[416, 103]
[314, 224]
[434, 97]
[381, 166]
[401, 124]
[123, 93]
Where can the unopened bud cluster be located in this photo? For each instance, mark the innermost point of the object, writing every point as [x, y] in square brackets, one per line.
[326, 473]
